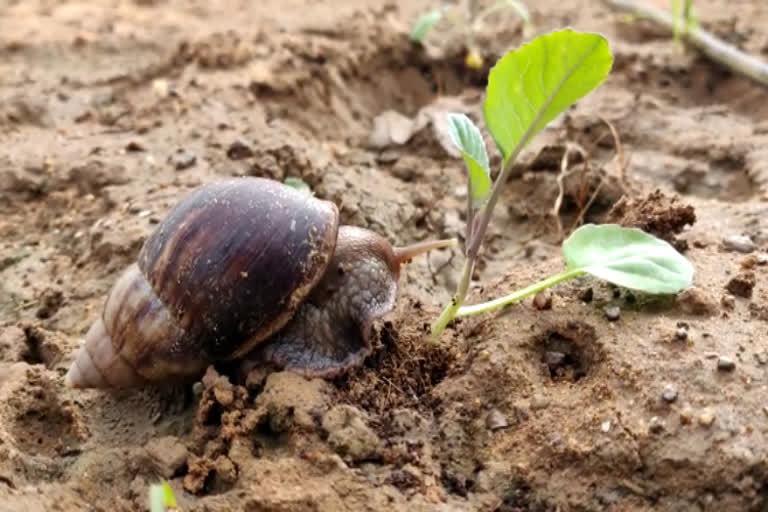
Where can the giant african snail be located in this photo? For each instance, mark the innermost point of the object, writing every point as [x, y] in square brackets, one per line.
[244, 268]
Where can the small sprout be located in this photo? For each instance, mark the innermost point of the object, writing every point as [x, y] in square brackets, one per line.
[161, 498]
[299, 185]
[527, 89]
[474, 60]
[470, 23]
[425, 23]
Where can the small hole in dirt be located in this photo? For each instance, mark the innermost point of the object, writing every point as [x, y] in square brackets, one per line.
[567, 353]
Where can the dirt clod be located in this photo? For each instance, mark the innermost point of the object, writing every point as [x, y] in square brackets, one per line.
[349, 434]
[167, 454]
[543, 300]
[239, 150]
[742, 284]
[657, 214]
[696, 301]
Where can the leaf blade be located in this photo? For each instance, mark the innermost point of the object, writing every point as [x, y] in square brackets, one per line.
[468, 139]
[628, 257]
[530, 86]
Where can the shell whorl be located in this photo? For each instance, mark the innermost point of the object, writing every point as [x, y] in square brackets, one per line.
[227, 268]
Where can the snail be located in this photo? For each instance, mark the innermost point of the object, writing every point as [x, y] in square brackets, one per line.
[244, 269]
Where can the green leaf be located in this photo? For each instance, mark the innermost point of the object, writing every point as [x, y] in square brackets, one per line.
[161, 498]
[468, 139]
[424, 24]
[530, 86]
[627, 257]
[298, 184]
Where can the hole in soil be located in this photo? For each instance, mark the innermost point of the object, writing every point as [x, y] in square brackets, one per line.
[45, 430]
[567, 353]
[39, 350]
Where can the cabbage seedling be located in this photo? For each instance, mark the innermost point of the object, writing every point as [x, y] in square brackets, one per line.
[527, 88]
[470, 22]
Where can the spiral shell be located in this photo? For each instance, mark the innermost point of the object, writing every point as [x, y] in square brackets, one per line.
[226, 269]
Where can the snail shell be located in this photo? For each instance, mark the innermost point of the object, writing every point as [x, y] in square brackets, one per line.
[226, 269]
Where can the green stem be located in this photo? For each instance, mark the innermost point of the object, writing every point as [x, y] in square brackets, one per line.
[449, 313]
[518, 295]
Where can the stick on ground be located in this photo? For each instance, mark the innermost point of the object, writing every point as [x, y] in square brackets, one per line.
[714, 48]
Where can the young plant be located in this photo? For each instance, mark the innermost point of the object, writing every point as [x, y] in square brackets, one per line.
[528, 88]
[161, 498]
[470, 22]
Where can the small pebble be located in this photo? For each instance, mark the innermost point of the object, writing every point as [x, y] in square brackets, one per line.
[728, 301]
[762, 259]
[612, 313]
[669, 394]
[681, 333]
[605, 426]
[496, 420]
[656, 426]
[543, 300]
[706, 418]
[739, 243]
[239, 150]
[389, 156]
[765, 410]
[725, 364]
[686, 415]
[182, 159]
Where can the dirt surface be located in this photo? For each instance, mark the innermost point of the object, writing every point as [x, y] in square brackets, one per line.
[111, 111]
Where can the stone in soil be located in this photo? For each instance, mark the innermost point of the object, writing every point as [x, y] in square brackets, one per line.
[739, 243]
[669, 394]
[725, 364]
[612, 313]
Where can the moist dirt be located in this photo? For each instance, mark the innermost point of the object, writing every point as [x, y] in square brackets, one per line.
[585, 398]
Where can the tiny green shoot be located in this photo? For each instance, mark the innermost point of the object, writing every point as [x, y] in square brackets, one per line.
[470, 21]
[161, 498]
[685, 19]
[528, 88]
[299, 185]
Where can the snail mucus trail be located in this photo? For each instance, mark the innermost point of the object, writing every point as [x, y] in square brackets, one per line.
[246, 270]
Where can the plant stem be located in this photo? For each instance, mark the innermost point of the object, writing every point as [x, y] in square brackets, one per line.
[518, 295]
[714, 48]
[449, 313]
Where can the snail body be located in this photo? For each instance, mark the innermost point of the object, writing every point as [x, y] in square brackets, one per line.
[243, 268]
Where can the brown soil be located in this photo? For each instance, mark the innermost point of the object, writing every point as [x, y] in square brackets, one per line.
[110, 111]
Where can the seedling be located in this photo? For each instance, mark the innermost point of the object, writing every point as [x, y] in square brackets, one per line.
[528, 88]
[685, 19]
[470, 23]
[161, 498]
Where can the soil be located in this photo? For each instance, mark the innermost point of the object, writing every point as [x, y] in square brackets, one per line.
[111, 111]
